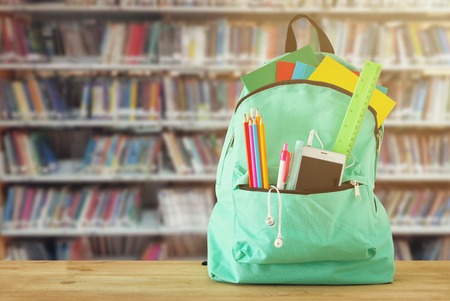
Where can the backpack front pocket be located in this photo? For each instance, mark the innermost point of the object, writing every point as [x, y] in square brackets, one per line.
[333, 226]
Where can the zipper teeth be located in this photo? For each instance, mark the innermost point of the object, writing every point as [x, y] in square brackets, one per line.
[344, 186]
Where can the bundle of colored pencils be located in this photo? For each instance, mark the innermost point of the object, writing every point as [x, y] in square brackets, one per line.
[255, 141]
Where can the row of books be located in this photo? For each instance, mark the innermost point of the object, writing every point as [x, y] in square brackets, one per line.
[107, 154]
[20, 40]
[109, 248]
[416, 206]
[390, 43]
[427, 249]
[212, 42]
[186, 97]
[222, 41]
[28, 250]
[28, 154]
[31, 153]
[183, 97]
[131, 247]
[40, 207]
[101, 247]
[251, 3]
[193, 154]
[418, 152]
[181, 207]
[32, 99]
[425, 99]
[123, 98]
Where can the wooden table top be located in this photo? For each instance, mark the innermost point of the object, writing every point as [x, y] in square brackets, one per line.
[145, 280]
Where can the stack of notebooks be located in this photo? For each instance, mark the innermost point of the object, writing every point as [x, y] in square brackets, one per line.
[28, 154]
[303, 64]
[31, 207]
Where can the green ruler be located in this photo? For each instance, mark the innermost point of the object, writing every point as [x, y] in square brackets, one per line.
[359, 103]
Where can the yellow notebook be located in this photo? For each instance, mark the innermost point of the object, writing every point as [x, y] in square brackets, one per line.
[332, 72]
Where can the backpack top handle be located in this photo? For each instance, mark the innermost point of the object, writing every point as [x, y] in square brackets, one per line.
[291, 42]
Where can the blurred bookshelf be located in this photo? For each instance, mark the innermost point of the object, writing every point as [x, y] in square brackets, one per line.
[131, 99]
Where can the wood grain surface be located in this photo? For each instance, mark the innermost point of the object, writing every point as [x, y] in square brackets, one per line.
[139, 280]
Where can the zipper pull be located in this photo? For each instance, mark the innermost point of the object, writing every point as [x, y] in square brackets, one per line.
[357, 192]
[379, 137]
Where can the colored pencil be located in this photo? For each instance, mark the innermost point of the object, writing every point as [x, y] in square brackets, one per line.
[257, 155]
[249, 156]
[252, 152]
[262, 147]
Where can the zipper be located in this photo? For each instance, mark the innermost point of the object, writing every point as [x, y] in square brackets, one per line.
[344, 186]
[230, 145]
[357, 191]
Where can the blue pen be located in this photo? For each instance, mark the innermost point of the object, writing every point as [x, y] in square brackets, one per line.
[257, 156]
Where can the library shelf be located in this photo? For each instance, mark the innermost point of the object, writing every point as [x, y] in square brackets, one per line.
[157, 125]
[187, 178]
[420, 230]
[150, 222]
[414, 177]
[70, 171]
[115, 178]
[177, 69]
[149, 226]
[219, 10]
[423, 124]
[147, 124]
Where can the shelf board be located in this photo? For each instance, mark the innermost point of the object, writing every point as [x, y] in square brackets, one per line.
[70, 172]
[174, 69]
[412, 178]
[155, 125]
[420, 230]
[149, 226]
[429, 69]
[417, 124]
[238, 10]
[66, 177]
[116, 178]
[218, 124]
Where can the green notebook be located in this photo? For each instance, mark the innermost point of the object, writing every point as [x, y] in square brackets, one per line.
[267, 74]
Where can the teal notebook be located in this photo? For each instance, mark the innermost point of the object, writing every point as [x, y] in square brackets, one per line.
[302, 71]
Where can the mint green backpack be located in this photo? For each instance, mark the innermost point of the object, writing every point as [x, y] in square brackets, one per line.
[329, 236]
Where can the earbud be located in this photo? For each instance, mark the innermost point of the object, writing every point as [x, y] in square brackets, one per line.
[278, 242]
[270, 221]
